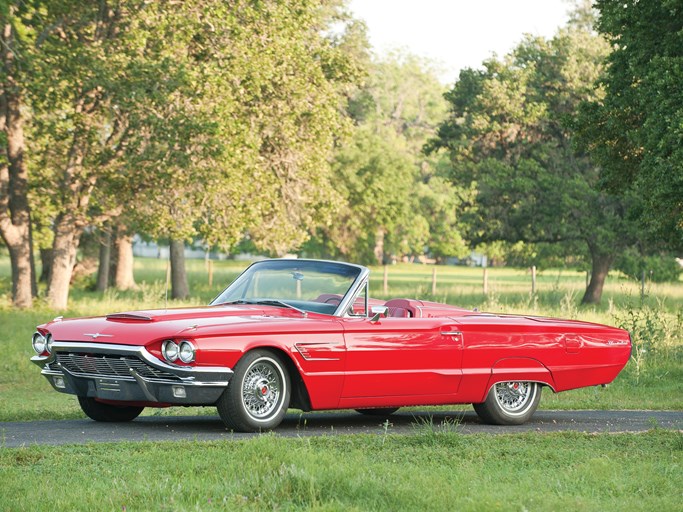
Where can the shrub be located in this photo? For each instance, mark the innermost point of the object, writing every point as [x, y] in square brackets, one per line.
[658, 268]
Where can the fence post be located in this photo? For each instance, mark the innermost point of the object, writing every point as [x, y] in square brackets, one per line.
[386, 280]
[533, 279]
[486, 281]
[642, 286]
[210, 273]
[434, 282]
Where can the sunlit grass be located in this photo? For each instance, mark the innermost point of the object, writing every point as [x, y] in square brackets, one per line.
[433, 469]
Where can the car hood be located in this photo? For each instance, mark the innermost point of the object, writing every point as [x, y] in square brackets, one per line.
[142, 327]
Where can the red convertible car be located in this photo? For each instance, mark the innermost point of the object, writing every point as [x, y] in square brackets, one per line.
[306, 334]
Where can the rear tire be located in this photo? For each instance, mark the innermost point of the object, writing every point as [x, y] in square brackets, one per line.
[509, 403]
[258, 394]
[384, 411]
[106, 412]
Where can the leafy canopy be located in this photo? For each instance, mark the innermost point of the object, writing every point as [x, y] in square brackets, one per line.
[635, 132]
[508, 136]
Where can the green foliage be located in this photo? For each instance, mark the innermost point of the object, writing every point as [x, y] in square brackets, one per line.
[658, 268]
[394, 200]
[376, 178]
[505, 134]
[184, 119]
[508, 137]
[634, 132]
[222, 116]
[653, 335]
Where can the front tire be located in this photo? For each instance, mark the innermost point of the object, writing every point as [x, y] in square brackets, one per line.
[509, 403]
[106, 412]
[258, 395]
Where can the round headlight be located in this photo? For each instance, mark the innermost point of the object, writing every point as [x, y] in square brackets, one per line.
[48, 343]
[39, 343]
[170, 350]
[186, 351]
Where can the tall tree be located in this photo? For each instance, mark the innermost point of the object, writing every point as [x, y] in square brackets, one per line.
[394, 203]
[377, 178]
[635, 132]
[15, 212]
[85, 63]
[508, 136]
[268, 87]
[204, 118]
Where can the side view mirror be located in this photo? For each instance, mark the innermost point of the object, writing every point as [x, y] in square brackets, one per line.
[378, 312]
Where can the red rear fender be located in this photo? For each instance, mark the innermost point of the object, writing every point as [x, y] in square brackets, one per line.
[523, 369]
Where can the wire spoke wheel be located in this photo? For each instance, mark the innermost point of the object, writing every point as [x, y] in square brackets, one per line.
[261, 389]
[509, 403]
[513, 396]
[258, 394]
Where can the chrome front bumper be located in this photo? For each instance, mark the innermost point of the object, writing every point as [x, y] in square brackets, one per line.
[130, 374]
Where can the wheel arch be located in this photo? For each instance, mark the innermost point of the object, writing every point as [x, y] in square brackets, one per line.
[523, 369]
[299, 395]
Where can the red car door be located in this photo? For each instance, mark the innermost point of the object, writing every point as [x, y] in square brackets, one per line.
[401, 357]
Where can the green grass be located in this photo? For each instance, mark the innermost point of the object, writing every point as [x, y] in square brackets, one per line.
[650, 381]
[429, 470]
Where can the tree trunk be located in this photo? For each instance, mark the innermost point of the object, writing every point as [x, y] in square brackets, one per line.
[32, 258]
[22, 277]
[379, 246]
[15, 216]
[179, 286]
[64, 250]
[46, 264]
[124, 278]
[104, 261]
[601, 263]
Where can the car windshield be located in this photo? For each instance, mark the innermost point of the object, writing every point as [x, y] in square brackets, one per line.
[307, 285]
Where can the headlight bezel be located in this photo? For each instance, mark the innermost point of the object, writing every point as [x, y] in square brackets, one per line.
[170, 350]
[187, 351]
[39, 343]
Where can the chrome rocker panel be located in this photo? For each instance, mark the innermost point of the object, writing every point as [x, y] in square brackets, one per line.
[201, 385]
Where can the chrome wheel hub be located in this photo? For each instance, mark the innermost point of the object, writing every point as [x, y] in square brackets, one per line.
[261, 390]
[513, 396]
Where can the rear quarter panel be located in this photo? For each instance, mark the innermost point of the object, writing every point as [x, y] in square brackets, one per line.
[562, 354]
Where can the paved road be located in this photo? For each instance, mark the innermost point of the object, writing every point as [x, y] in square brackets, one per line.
[205, 428]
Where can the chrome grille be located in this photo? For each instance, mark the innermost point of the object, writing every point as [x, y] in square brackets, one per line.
[110, 366]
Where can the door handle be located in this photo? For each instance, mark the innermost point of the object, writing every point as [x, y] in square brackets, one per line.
[451, 333]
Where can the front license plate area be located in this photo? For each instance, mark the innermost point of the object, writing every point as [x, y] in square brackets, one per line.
[107, 386]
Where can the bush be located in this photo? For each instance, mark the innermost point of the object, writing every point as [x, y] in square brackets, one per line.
[657, 268]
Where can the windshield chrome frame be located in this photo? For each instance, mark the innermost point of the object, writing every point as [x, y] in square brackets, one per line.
[350, 297]
[360, 281]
